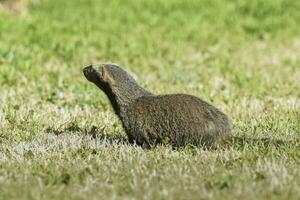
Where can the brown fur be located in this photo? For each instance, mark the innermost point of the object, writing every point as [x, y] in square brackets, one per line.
[177, 119]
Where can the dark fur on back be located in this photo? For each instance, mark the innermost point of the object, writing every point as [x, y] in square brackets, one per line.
[178, 119]
[148, 119]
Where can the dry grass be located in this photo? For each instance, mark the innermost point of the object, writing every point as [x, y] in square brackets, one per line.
[14, 7]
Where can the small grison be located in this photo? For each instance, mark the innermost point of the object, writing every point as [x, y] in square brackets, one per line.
[148, 119]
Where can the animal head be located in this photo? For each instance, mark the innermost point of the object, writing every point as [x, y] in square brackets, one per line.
[107, 75]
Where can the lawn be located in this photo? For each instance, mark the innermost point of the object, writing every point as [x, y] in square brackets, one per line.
[59, 138]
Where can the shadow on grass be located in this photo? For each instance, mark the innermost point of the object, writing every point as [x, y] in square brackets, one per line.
[238, 143]
[94, 132]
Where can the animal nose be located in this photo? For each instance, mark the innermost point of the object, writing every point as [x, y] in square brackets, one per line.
[88, 69]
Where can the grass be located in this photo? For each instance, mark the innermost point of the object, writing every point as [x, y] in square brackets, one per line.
[59, 138]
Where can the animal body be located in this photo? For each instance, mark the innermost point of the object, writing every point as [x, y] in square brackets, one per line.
[149, 119]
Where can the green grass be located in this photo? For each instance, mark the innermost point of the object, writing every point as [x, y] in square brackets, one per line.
[242, 56]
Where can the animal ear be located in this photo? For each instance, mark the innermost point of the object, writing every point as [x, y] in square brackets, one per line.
[106, 75]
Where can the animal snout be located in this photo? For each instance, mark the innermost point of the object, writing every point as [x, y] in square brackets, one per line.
[87, 70]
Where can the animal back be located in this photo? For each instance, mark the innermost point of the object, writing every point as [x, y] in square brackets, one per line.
[179, 119]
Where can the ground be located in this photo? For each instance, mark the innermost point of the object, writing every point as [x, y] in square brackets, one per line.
[59, 138]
